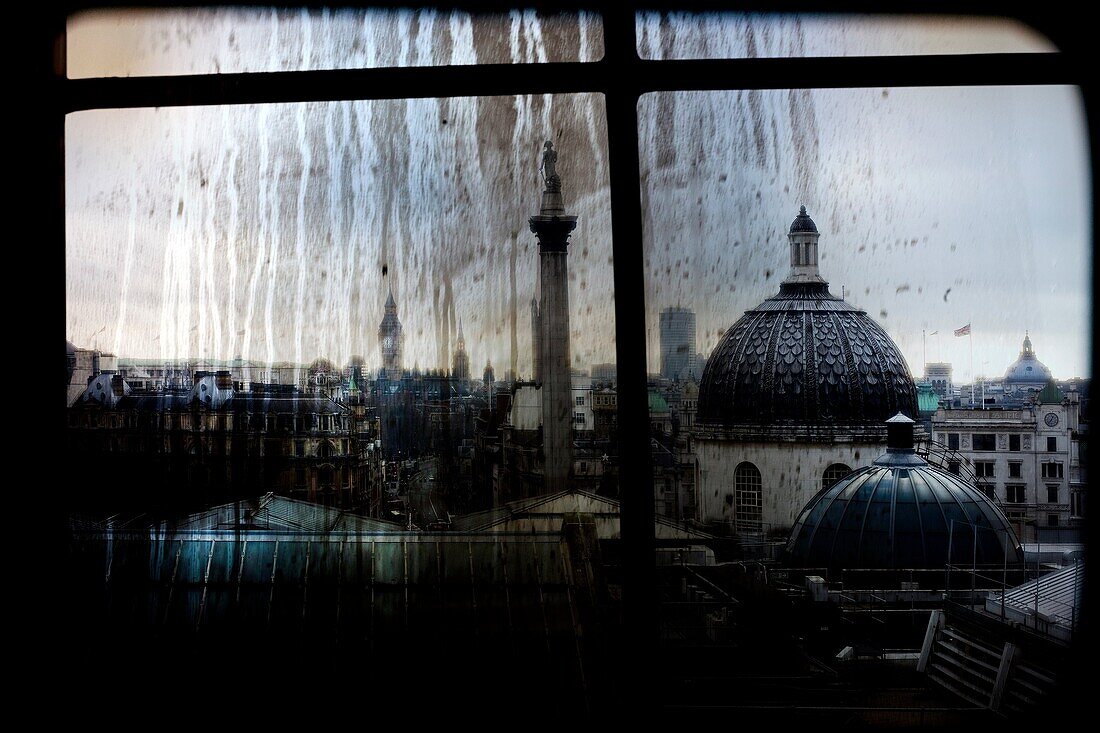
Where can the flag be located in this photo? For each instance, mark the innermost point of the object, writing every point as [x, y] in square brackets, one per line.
[964, 331]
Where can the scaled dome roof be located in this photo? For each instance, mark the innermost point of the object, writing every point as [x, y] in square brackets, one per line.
[807, 357]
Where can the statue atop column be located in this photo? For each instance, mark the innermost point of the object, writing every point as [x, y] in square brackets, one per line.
[549, 167]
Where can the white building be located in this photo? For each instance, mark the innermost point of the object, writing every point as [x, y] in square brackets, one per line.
[1029, 459]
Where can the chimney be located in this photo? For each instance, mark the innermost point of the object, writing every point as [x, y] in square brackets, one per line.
[899, 434]
[504, 403]
[223, 379]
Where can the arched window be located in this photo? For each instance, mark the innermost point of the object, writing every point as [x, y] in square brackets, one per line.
[747, 484]
[833, 474]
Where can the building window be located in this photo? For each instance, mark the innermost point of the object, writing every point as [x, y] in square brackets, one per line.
[1052, 444]
[1052, 494]
[1052, 470]
[1052, 520]
[1014, 442]
[582, 467]
[984, 469]
[1015, 493]
[953, 441]
[749, 509]
[578, 417]
[580, 401]
[985, 442]
[833, 474]
[953, 467]
[1014, 469]
[1077, 503]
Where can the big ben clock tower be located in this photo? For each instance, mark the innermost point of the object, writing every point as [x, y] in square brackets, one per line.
[392, 339]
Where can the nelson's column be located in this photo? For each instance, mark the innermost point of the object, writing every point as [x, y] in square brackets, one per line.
[552, 228]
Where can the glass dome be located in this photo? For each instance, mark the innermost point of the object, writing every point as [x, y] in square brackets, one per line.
[901, 512]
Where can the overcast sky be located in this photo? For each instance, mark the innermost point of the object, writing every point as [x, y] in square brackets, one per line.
[263, 231]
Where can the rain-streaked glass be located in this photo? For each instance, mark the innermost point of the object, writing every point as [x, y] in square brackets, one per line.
[177, 41]
[680, 35]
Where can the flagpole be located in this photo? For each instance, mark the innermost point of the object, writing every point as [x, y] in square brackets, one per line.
[924, 348]
[970, 335]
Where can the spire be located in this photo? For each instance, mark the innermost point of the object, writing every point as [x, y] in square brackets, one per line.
[1027, 350]
[390, 302]
[461, 341]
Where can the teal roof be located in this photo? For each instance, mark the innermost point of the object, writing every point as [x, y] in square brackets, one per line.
[657, 403]
[1051, 395]
[927, 400]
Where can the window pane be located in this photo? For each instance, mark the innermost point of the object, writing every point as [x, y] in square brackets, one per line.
[366, 292]
[831, 258]
[294, 260]
[168, 42]
[774, 35]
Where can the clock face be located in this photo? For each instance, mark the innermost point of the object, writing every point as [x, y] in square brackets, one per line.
[1051, 419]
[387, 343]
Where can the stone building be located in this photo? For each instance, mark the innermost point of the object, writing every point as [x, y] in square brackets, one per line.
[83, 366]
[215, 442]
[794, 397]
[1030, 459]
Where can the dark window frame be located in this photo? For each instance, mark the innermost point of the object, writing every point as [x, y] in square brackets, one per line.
[987, 439]
[622, 77]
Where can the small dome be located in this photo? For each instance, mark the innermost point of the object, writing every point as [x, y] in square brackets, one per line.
[803, 222]
[901, 512]
[1027, 369]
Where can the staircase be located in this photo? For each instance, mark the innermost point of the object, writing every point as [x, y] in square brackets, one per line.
[978, 669]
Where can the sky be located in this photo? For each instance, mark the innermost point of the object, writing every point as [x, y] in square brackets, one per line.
[274, 232]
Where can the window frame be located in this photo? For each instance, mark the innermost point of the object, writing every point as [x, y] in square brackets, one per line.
[621, 76]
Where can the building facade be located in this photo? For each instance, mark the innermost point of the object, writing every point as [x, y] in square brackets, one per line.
[1030, 459]
[214, 442]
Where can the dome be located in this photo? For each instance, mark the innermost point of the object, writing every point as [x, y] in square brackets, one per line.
[803, 222]
[805, 356]
[901, 512]
[1027, 369]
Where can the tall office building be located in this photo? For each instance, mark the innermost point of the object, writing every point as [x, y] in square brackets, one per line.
[678, 343]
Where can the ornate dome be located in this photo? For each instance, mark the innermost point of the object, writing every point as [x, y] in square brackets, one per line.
[803, 222]
[898, 513]
[805, 357]
[1027, 369]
